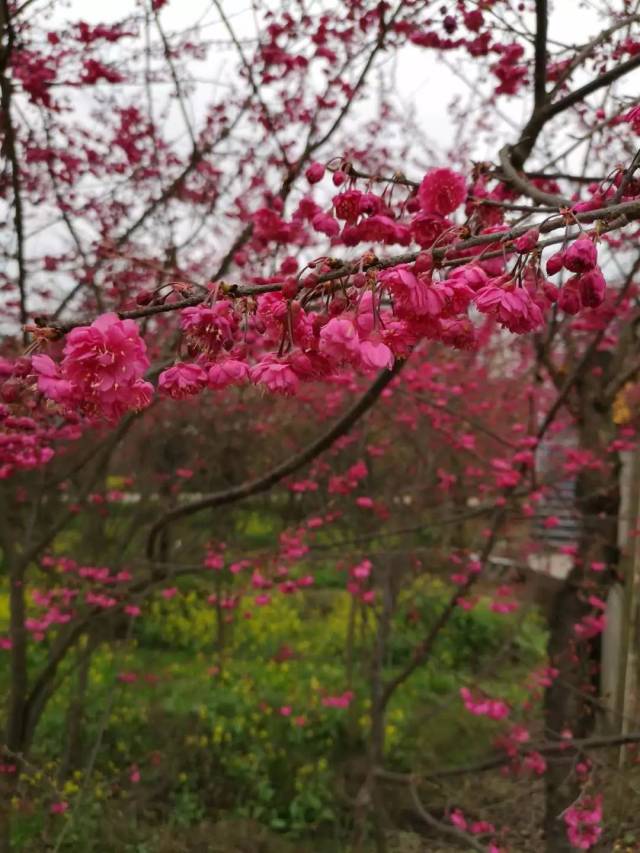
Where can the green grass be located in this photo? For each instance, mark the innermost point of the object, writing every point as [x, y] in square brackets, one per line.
[209, 737]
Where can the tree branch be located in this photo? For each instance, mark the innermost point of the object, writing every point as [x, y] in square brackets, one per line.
[587, 50]
[525, 186]
[541, 116]
[540, 74]
[9, 148]
[552, 748]
[620, 213]
[298, 460]
[446, 829]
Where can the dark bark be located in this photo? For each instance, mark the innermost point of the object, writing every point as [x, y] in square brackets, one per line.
[370, 799]
[74, 744]
[16, 709]
[567, 704]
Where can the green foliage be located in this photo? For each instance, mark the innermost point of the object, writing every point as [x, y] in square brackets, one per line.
[242, 731]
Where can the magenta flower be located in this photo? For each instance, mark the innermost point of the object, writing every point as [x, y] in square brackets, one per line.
[339, 340]
[101, 371]
[442, 191]
[228, 372]
[50, 382]
[182, 380]
[315, 173]
[208, 328]
[512, 307]
[592, 287]
[581, 256]
[555, 263]
[347, 205]
[426, 228]
[375, 356]
[107, 354]
[569, 301]
[527, 242]
[325, 224]
[278, 376]
[414, 298]
[495, 709]
[583, 823]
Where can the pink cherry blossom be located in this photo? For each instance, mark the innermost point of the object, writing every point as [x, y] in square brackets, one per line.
[314, 173]
[511, 306]
[341, 701]
[375, 355]
[592, 287]
[208, 327]
[555, 263]
[339, 340]
[227, 372]
[169, 593]
[590, 626]
[583, 822]
[527, 241]
[457, 818]
[442, 191]
[535, 762]
[101, 370]
[581, 256]
[325, 224]
[277, 375]
[182, 380]
[427, 228]
[495, 709]
[415, 298]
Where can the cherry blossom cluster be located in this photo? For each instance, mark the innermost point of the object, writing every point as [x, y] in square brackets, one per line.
[584, 822]
[101, 370]
[482, 706]
[280, 339]
[475, 827]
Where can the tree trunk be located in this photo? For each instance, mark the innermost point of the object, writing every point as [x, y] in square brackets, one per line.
[370, 801]
[16, 714]
[567, 701]
[72, 757]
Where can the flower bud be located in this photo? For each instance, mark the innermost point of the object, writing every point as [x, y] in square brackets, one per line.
[555, 263]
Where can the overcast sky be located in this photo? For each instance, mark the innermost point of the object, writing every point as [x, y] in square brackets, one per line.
[427, 82]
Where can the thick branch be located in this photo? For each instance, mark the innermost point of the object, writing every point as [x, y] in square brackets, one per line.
[553, 748]
[540, 78]
[525, 186]
[298, 460]
[621, 214]
[446, 829]
[540, 117]
[10, 151]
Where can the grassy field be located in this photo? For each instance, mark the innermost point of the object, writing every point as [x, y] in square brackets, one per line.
[184, 737]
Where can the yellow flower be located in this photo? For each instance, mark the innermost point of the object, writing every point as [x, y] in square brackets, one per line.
[621, 412]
